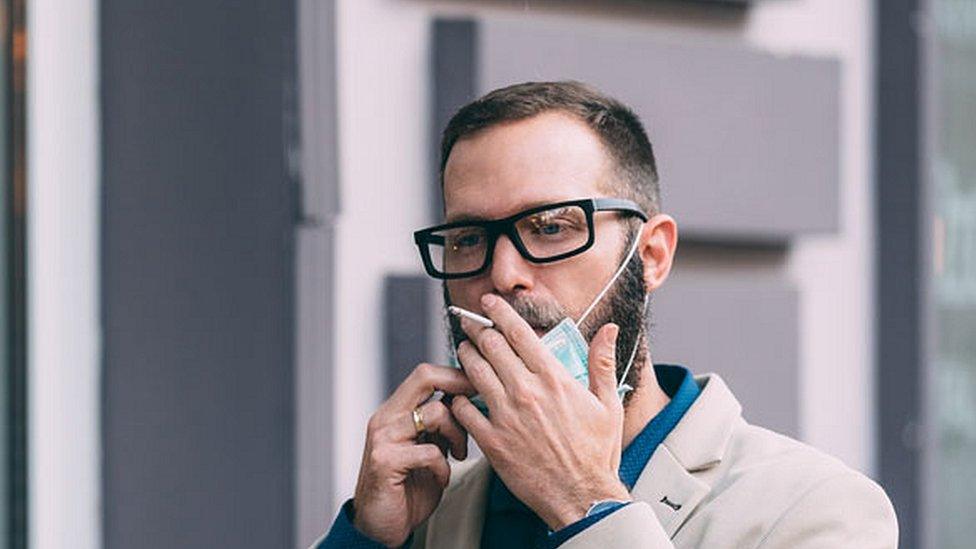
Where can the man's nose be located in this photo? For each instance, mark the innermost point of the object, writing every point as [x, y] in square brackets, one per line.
[509, 271]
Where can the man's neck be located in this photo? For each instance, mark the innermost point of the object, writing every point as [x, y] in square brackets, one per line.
[645, 402]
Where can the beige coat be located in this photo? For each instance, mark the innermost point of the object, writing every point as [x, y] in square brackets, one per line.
[737, 485]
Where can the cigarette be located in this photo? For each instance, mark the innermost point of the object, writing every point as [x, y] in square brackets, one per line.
[457, 311]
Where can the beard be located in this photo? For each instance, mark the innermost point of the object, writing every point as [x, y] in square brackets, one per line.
[623, 305]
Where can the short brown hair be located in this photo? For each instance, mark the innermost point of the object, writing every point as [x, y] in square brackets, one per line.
[619, 129]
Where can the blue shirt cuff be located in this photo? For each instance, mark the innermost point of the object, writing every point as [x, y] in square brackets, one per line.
[563, 535]
[343, 535]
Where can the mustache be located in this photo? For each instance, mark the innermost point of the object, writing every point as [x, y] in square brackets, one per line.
[541, 315]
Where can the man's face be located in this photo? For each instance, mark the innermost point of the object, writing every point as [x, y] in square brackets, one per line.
[511, 167]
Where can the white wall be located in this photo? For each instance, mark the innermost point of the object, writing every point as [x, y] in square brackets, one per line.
[383, 78]
[62, 233]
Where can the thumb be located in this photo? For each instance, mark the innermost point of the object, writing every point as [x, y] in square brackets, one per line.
[602, 361]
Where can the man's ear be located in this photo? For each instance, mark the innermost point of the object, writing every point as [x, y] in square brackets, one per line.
[658, 242]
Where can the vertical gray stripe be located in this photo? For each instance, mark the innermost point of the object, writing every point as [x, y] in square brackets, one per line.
[455, 58]
[898, 262]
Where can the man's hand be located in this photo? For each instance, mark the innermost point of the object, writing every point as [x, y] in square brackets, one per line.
[401, 479]
[555, 444]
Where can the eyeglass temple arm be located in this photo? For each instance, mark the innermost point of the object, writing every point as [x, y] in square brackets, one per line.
[618, 204]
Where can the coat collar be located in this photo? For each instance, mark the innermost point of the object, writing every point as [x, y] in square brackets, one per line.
[669, 483]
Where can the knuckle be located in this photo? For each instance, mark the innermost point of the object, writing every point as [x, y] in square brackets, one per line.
[430, 453]
[459, 406]
[520, 336]
[550, 376]
[495, 447]
[379, 457]
[435, 413]
[523, 397]
[424, 370]
[472, 366]
[503, 416]
[491, 341]
[464, 349]
[374, 424]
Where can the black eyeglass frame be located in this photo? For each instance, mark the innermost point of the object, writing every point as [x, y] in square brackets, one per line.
[497, 227]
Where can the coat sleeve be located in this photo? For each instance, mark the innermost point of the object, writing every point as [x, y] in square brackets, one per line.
[343, 535]
[845, 511]
[634, 526]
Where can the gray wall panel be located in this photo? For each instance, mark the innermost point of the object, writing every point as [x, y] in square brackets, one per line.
[454, 83]
[747, 142]
[743, 330]
[197, 255]
[407, 343]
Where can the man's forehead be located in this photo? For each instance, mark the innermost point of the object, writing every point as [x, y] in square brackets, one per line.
[509, 167]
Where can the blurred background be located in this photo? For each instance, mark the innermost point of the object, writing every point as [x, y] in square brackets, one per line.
[209, 281]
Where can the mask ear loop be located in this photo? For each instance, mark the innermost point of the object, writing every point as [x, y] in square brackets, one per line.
[623, 388]
[616, 275]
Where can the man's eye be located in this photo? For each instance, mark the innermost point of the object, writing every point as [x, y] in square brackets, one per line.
[467, 241]
[550, 229]
[553, 227]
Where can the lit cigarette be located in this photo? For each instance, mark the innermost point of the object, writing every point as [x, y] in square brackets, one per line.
[457, 311]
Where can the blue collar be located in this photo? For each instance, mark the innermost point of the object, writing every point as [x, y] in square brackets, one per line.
[678, 383]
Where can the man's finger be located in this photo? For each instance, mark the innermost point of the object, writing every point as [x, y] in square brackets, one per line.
[603, 364]
[424, 380]
[480, 373]
[438, 421]
[471, 419]
[496, 350]
[517, 331]
[424, 456]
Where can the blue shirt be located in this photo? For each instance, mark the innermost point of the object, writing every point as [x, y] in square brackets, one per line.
[510, 523]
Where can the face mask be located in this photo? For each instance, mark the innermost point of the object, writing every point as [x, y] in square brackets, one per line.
[567, 344]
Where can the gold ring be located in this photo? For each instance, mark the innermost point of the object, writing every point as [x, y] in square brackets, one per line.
[418, 421]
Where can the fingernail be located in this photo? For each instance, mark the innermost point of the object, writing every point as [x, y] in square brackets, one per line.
[487, 300]
[614, 331]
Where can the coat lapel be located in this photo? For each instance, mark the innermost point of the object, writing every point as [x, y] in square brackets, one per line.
[672, 492]
[672, 480]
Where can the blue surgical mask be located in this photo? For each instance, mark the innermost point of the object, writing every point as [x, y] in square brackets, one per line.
[569, 347]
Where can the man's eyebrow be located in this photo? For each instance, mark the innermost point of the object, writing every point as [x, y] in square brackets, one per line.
[465, 217]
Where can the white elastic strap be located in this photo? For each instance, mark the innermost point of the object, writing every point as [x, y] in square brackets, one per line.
[633, 353]
[616, 275]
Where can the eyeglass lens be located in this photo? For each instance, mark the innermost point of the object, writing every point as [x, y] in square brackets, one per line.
[545, 234]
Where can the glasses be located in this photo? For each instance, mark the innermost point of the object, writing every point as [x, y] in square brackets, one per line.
[541, 235]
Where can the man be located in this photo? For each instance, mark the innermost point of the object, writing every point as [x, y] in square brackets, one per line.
[553, 224]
